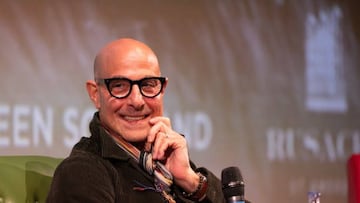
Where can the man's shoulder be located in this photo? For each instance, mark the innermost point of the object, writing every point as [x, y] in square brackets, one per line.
[86, 147]
[80, 158]
[84, 153]
[84, 161]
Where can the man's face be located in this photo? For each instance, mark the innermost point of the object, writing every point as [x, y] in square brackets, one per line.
[129, 116]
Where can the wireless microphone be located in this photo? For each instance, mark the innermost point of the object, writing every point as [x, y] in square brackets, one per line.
[233, 185]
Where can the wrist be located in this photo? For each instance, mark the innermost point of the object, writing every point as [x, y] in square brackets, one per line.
[200, 192]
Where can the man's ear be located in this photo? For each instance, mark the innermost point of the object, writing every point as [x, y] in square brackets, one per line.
[92, 90]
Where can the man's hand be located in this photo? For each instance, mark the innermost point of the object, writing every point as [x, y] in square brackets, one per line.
[170, 148]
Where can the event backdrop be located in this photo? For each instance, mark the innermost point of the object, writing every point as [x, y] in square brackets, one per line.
[271, 87]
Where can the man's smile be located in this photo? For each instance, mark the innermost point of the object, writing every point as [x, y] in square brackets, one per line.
[135, 118]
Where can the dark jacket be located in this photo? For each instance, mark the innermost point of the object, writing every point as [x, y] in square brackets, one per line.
[97, 170]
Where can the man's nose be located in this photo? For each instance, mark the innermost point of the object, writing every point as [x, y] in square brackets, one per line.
[136, 98]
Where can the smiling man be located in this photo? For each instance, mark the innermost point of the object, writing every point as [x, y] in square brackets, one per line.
[133, 154]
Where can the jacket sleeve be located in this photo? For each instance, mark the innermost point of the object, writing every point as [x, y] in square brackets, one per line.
[74, 181]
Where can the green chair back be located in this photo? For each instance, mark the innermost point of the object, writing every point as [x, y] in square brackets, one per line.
[26, 178]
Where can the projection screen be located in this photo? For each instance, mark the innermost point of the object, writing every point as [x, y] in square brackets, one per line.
[271, 87]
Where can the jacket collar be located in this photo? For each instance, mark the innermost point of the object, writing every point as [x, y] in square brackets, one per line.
[107, 145]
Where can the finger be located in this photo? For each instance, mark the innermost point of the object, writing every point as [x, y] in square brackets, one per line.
[160, 146]
[157, 127]
[162, 119]
[152, 133]
[148, 146]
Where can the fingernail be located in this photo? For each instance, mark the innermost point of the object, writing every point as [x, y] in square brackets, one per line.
[147, 146]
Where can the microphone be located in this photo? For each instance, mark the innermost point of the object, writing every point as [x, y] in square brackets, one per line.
[233, 185]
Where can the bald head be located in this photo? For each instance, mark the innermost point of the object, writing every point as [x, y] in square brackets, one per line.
[121, 53]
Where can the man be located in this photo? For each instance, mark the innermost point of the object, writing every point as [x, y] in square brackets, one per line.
[128, 129]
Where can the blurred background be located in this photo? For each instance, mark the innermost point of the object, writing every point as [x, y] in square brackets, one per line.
[271, 87]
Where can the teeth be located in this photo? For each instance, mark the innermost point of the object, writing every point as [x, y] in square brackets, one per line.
[133, 118]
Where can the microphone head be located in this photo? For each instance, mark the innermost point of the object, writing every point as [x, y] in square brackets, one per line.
[232, 182]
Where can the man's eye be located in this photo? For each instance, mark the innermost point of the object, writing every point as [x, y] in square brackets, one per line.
[119, 84]
[150, 83]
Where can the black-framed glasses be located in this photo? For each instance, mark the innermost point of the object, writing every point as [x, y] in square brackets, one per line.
[120, 87]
